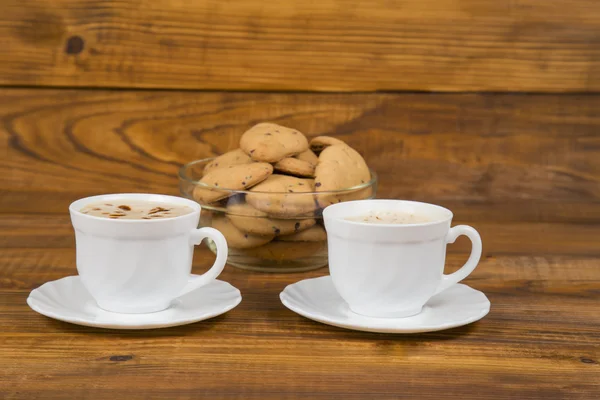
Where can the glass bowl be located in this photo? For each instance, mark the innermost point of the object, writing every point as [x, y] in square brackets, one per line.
[269, 231]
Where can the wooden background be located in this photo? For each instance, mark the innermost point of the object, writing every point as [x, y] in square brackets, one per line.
[325, 45]
[489, 108]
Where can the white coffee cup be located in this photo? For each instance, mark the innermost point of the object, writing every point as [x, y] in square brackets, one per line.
[392, 270]
[137, 265]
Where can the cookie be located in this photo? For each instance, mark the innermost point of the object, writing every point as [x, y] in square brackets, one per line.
[315, 233]
[250, 220]
[234, 177]
[287, 251]
[233, 157]
[267, 142]
[237, 239]
[279, 196]
[339, 167]
[360, 194]
[309, 157]
[319, 143]
[296, 167]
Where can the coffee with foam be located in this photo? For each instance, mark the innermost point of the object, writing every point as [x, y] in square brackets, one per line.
[390, 217]
[135, 209]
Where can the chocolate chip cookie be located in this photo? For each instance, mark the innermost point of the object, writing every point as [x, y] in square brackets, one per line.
[233, 157]
[319, 143]
[237, 239]
[339, 167]
[233, 177]
[309, 157]
[281, 196]
[267, 142]
[295, 167]
[315, 233]
[250, 220]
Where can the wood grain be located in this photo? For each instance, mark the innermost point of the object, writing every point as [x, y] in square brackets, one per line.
[509, 158]
[523, 169]
[329, 45]
[55, 231]
[540, 341]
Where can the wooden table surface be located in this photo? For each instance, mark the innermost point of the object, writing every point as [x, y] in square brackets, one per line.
[522, 169]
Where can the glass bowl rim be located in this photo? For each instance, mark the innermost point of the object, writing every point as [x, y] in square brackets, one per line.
[182, 173]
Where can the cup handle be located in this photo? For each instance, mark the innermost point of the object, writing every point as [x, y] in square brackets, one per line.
[465, 270]
[196, 237]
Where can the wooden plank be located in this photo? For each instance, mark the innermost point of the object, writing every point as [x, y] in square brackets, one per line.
[538, 342]
[29, 267]
[55, 231]
[494, 158]
[329, 45]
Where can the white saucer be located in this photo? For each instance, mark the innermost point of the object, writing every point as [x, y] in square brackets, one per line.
[317, 299]
[67, 300]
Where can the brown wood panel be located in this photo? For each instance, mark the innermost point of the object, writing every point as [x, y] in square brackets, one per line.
[540, 341]
[55, 231]
[502, 274]
[499, 158]
[329, 45]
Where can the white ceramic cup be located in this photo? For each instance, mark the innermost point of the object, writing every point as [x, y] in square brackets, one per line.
[136, 265]
[392, 270]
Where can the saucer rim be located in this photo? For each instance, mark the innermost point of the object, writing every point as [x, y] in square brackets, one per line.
[39, 307]
[284, 298]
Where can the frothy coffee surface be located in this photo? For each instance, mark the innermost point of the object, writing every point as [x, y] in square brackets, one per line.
[390, 217]
[135, 209]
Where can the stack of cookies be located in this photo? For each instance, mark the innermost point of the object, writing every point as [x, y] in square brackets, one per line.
[273, 189]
